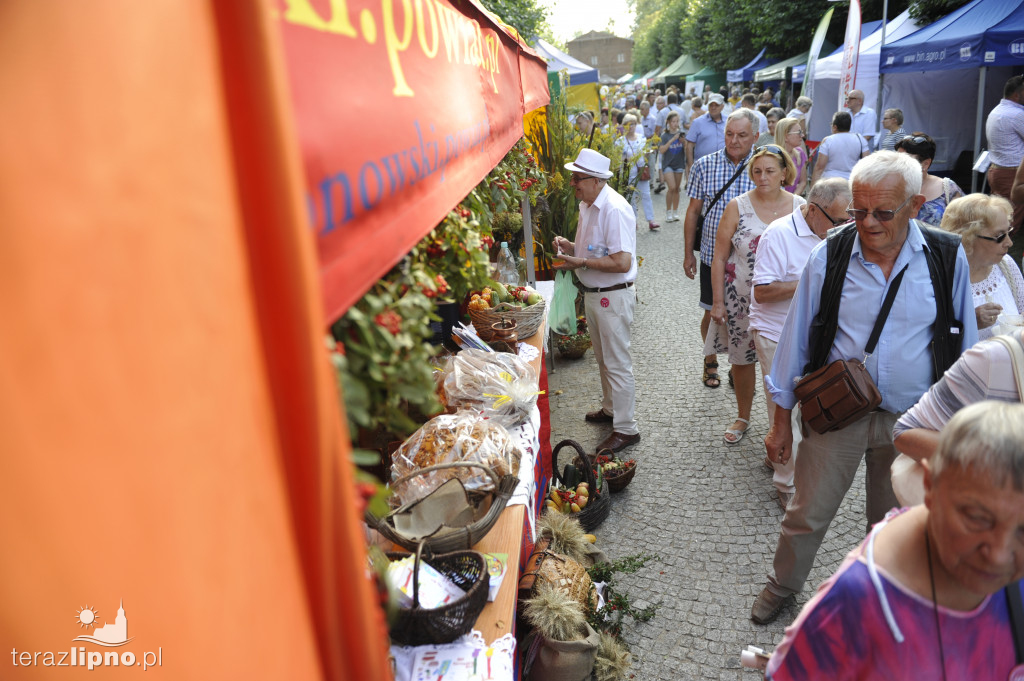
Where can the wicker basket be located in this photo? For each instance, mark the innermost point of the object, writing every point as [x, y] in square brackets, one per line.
[600, 504]
[573, 347]
[528, 319]
[418, 626]
[451, 538]
[618, 482]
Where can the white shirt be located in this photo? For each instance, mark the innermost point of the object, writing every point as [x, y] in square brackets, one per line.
[608, 223]
[762, 126]
[1004, 129]
[864, 122]
[843, 150]
[781, 256]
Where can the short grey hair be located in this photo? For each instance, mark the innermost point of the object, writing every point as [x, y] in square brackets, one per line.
[827, 191]
[874, 170]
[660, 99]
[747, 115]
[987, 437]
[804, 101]
[895, 113]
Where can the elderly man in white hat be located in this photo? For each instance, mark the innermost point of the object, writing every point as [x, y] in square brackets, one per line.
[604, 259]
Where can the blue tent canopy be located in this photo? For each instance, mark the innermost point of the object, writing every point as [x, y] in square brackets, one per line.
[981, 33]
[579, 73]
[746, 72]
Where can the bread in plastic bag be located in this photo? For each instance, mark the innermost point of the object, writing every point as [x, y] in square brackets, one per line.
[497, 385]
[463, 436]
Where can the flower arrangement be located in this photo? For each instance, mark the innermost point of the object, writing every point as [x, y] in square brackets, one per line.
[577, 344]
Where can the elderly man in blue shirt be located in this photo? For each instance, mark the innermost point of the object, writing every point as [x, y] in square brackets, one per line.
[707, 133]
[886, 195]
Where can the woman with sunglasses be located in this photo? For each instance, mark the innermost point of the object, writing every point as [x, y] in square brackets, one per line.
[790, 136]
[938, 191]
[732, 271]
[983, 223]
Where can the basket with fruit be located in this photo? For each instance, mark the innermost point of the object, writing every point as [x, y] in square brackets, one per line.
[496, 303]
[617, 472]
[587, 499]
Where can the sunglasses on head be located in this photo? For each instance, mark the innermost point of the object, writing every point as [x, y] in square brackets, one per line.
[999, 238]
[772, 149]
[910, 139]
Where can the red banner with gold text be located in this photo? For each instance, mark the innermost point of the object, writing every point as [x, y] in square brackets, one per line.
[402, 107]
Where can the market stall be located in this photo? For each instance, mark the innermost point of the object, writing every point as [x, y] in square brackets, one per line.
[184, 456]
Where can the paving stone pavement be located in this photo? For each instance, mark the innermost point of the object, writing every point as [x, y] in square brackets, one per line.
[708, 509]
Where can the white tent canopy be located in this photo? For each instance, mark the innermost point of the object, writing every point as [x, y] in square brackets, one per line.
[827, 71]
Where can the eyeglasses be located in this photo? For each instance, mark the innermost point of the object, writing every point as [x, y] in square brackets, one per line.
[849, 97]
[576, 179]
[999, 238]
[825, 213]
[880, 215]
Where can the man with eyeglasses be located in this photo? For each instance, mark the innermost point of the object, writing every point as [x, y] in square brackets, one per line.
[782, 253]
[604, 259]
[1004, 129]
[864, 117]
[931, 322]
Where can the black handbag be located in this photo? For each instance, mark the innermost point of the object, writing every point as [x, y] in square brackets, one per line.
[707, 208]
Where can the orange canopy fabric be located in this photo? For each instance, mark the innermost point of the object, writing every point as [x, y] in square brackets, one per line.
[170, 435]
[402, 107]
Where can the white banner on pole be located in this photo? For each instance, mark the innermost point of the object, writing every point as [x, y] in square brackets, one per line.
[812, 56]
[851, 50]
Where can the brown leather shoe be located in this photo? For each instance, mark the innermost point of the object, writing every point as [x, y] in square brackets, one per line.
[618, 441]
[599, 416]
[767, 606]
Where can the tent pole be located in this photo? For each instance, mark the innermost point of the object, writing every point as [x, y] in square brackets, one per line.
[977, 125]
[531, 274]
[881, 46]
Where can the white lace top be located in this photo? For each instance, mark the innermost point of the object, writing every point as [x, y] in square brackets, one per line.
[995, 288]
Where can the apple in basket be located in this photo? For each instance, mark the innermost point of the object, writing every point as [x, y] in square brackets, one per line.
[612, 468]
[562, 500]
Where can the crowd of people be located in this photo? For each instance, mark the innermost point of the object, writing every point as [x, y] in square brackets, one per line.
[852, 253]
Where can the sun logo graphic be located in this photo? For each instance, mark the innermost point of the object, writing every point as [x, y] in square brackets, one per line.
[111, 635]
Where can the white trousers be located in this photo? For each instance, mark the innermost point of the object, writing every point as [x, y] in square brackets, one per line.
[765, 348]
[609, 318]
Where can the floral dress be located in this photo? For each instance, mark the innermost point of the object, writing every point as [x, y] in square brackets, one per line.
[734, 337]
[932, 211]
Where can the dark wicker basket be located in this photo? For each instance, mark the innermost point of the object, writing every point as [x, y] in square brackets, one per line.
[619, 482]
[418, 626]
[600, 504]
[453, 538]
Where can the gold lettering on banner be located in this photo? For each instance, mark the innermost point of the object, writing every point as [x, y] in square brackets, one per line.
[465, 41]
[431, 52]
[302, 13]
[393, 45]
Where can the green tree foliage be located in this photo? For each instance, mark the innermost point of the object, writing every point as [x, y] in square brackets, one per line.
[724, 34]
[927, 11]
[526, 16]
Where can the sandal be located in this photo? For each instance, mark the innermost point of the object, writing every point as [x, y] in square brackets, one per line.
[710, 375]
[736, 433]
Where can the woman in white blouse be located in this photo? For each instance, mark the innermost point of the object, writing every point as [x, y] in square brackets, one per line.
[983, 223]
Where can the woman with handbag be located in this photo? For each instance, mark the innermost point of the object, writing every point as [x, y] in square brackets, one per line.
[633, 146]
[732, 271]
[930, 594]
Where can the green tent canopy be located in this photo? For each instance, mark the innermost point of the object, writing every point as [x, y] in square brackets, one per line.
[777, 71]
[679, 69]
[715, 79]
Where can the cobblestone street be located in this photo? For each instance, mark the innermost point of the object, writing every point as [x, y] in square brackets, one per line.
[708, 509]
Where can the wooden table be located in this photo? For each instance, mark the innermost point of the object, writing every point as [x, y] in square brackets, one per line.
[506, 536]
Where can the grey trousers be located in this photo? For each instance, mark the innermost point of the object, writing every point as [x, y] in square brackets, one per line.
[825, 468]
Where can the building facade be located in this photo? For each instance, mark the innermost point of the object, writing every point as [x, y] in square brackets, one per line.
[612, 55]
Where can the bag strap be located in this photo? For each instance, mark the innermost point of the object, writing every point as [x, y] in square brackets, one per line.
[1016, 607]
[884, 313]
[1016, 350]
[707, 209]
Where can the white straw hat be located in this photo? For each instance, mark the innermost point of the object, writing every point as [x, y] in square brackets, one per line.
[591, 163]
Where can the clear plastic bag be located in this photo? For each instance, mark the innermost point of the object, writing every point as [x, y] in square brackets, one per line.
[497, 385]
[463, 436]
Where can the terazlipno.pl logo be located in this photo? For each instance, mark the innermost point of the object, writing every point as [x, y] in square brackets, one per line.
[110, 635]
